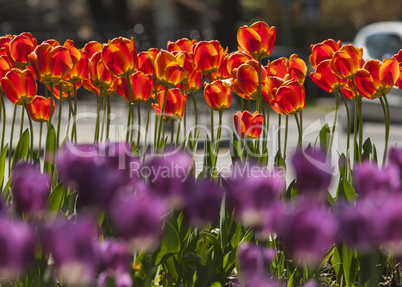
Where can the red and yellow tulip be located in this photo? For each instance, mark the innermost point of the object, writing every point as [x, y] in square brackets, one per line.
[377, 78]
[248, 125]
[99, 75]
[292, 68]
[183, 44]
[208, 56]
[174, 106]
[19, 86]
[218, 94]
[169, 69]
[120, 56]
[346, 61]
[287, 99]
[142, 88]
[39, 109]
[246, 80]
[19, 49]
[257, 40]
[326, 79]
[323, 51]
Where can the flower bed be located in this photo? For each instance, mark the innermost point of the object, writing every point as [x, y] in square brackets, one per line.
[130, 214]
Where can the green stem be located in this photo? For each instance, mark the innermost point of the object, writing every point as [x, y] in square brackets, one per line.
[195, 114]
[10, 150]
[96, 138]
[40, 140]
[51, 106]
[103, 116]
[132, 123]
[348, 122]
[109, 111]
[264, 132]
[178, 133]
[185, 113]
[147, 124]
[286, 137]
[172, 133]
[357, 111]
[22, 120]
[299, 141]
[31, 128]
[331, 141]
[59, 115]
[70, 114]
[279, 133]
[130, 102]
[212, 126]
[385, 109]
[259, 100]
[3, 106]
[161, 117]
[155, 135]
[218, 137]
[75, 113]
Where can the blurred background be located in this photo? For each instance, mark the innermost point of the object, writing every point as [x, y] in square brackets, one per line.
[153, 22]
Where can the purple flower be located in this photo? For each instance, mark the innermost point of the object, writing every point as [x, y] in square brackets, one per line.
[17, 247]
[96, 171]
[115, 262]
[389, 222]
[253, 191]
[168, 174]
[254, 262]
[308, 232]
[357, 224]
[368, 179]
[30, 188]
[313, 171]
[73, 248]
[203, 202]
[138, 218]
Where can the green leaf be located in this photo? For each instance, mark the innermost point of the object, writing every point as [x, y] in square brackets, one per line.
[324, 138]
[236, 151]
[291, 191]
[279, 160]
[3, 157]
[6, 190]
[371, 267]
[50, 149]
[21, 151]
[343, 165]
[229, 261]
[170, 244]
[375, 159]
[336, 263]
[349, 190]
[349, 260]
[208, 157]
[367, 149]
[56, 198]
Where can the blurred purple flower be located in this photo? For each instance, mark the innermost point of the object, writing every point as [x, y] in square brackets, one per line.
[122, 280]
[368, 179]
[253, 190]
[115, 262]
[74, 250]
[138, 218]
[96, 171]
[389, 221]
[308, 232]
[254, 262]
[17, 247]
[357, 224]
[313, 171]
[168, 174]
[202, 204]
[30, 188]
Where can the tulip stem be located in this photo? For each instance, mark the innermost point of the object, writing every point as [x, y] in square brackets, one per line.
[161, 116]
[264, 133]
[130, 101]
[212, 126]
[334, 125]
[3, 106]
[185, 110]
[103, 116]
[11, 139]
[96, 138]
[348, 121]
[385, 109]
[147, 124]
[132, 123]
[59, 115]
[178, 132]
[70, 114]
[22, 120]
[279, 133]
[259, 102]
[40, 140]
[357, 146]
[171, 133]
[31, 128]
[49, 123]
[195, 114]
[218, 137]
[299, 127]
[109, 111]
[74, 131]
[286, 136]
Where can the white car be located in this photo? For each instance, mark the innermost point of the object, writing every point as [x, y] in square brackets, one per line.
[380, 41]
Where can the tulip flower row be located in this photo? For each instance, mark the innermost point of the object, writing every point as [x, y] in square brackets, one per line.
[97, 214]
